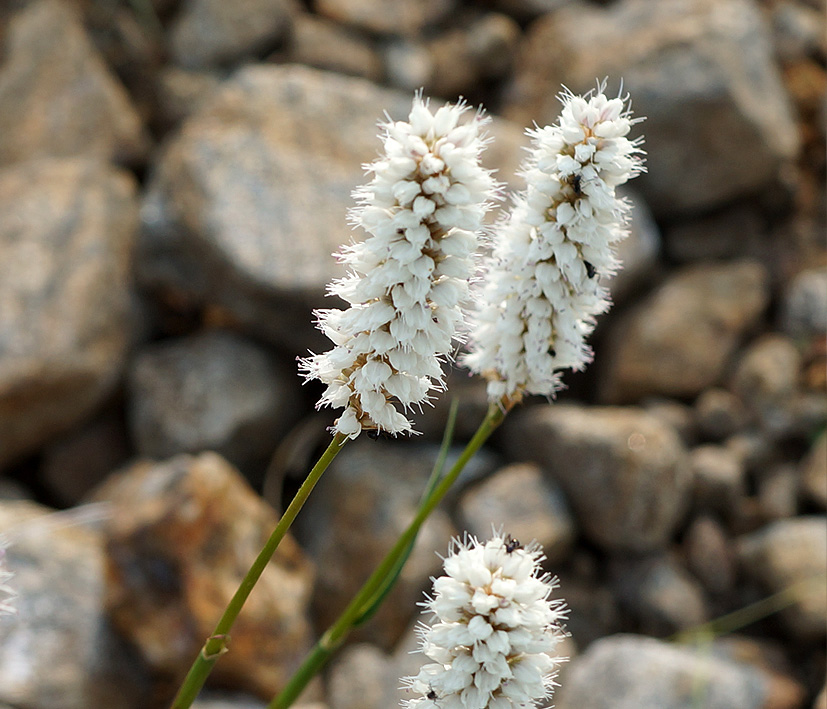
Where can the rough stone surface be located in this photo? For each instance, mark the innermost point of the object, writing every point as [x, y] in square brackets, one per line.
[679, 339]
[633, 672]
[250, 200]
[208, 33]
[814, 473]
[210, 391]
[718, 121]
[182, 92]
[357, 511]
[67, 230]
[710, 555]
[791, 555]
[778, 492]
[181, 536]
[719, 414]
[58, 651]
[525, 505]
[57, 97]
[719, 478]
[733, 232]
[804, 308]
[362, 676]
[320, 43]
[766, 377]
[624, 471]
[659, 593]
[386, 16]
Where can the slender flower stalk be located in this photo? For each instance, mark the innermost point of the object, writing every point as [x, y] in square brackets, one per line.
[408, 281]
[7, 594]
[493, 642]
[543, 291]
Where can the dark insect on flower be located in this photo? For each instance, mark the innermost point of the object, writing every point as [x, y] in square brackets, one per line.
[375, 434]
[511, 544]
[432, 695]
[576, 184]
[590, 270]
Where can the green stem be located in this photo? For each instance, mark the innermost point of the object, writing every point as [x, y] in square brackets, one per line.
[216, 644]
[335, 635]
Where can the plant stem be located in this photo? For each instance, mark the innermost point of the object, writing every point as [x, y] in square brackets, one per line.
[336, 634]
[216, 644]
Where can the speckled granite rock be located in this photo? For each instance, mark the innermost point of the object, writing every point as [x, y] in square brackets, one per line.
[67, 230]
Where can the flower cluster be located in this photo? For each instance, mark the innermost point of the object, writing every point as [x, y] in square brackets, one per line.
[543, 290]
[408, 281]
[493, 643]
[6, 593]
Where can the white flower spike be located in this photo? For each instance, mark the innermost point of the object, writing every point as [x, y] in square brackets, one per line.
[495, 633]
[542, 291]
[408, 281]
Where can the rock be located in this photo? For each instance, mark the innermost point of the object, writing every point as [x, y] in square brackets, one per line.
[320, 43]
[250, 199]
[471, 53]
[634, 672]
[182, 92]
[791, 556]
[797, 30]
[624, 471]
[638, 252]
[719, 414]
[593, 609]
[678, 341]
[525, 10]
[778, 492]
[227, 702]
[732, 232]
[363, 677]
[66, 236]
[719, 478]
[814, 473]
[718, 122]
[356, 514]
[58, 651]
[766, 377]
[408, 64]
[208, 33]
[212, 391]
[518, 500]
[804, 305]
[710, 555]
[182, 535]
[659, 594]
[80, 460]
[57, 97]
[675, 414]
[821, 700]
[397, 17]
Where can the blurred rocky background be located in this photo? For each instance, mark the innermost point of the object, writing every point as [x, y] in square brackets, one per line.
[174, 175]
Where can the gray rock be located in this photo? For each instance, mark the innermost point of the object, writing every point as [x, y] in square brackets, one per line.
[518, 500]
[710, 555]
[733, 232]
[250, 200]
[778, 492]
[320, 43]
[624, 471]
[797, 30]
[57, 97]
[67, 230]
[719, 124]
[182, 92]
[58, 651]
[638, 252]
[814, 473]
[804, 305]
[633, 672]
[208, 33]
[719, 478]
[80, 460]
[357, 512]
[408, 64]
[766, 378]
[471, 53]
[719, 414]
[398, 17]
[181, 537]
[210, 391]
[659, 594]
[678, 341]
[677, 415]
[362, 677]
[791, 556]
